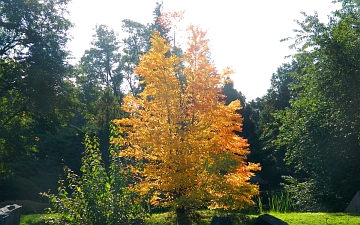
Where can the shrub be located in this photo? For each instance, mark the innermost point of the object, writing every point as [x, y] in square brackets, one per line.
[98, 196]
[303, 195]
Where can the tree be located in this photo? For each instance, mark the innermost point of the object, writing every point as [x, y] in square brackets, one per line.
[248, 124]
[320, 129]
[100, 77]
[278, 98]
[158, 25]
[184, 135]
[36, 97]
[136, 44]
[100, 62]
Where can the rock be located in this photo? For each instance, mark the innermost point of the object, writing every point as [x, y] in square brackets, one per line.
[354, 205]
[267, 219]
[10, 215]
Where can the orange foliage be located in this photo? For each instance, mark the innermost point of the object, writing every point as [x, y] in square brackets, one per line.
[168, 19]
[182, 132]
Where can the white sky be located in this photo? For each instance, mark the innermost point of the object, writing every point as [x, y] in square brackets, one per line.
[244, 34]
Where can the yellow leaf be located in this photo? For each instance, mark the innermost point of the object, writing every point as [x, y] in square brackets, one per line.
[183, 134]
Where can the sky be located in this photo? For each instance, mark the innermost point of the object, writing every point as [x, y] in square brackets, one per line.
[244, 35]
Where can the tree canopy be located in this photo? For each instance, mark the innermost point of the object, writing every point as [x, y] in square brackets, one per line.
[184, 135]
[185, 131]
[320, 129]
[35, 94]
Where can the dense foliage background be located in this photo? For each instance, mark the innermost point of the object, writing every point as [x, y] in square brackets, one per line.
[305, 132]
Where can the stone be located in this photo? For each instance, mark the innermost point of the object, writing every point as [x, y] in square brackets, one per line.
[354, 205]
[10, 215]
[267, 219]
[218, 220]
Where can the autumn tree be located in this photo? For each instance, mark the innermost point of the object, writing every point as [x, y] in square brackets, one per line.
[183, 133]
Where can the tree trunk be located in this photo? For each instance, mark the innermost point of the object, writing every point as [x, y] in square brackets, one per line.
[182, 216]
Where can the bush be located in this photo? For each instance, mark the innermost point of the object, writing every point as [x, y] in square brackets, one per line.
[303, 195]
[97, 197]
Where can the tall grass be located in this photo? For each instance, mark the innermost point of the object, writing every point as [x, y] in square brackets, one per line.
[280, 203]
[276, 202]
[260, 204]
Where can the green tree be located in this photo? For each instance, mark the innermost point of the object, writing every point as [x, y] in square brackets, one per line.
[99, 78]
[157, 25]
[278, 98]
[100, 63]
[321, 128]
[137, 43]
[36, 97]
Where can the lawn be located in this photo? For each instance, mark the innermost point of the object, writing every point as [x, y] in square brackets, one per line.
[204, 218]
[199, 218]
[319, 218]
[31, 219]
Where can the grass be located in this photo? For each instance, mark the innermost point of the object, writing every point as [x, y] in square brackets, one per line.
[204, 217]
[280, 202]
[319, 218]
[199, 218]
[31, 219]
